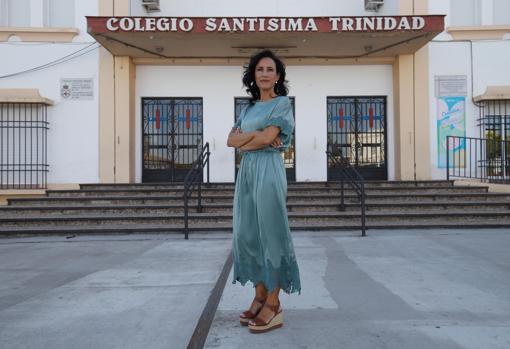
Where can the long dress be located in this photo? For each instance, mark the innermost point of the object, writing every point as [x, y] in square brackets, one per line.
[262, 247]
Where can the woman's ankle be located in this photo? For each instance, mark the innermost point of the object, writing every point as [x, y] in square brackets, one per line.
[272, 302]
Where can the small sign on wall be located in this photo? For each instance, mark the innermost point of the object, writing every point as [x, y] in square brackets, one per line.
[450, 85]
[77, 89]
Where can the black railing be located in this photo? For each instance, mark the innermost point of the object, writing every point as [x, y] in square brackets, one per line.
[23, 146]
[348, 174]
[194, 178]
[485, 159]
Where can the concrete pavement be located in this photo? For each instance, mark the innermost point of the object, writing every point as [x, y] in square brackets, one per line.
[400, 289]
[105, 292]
[406, 289]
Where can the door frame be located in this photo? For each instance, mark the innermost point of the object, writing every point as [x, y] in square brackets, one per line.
[367, 173]
[173, 177]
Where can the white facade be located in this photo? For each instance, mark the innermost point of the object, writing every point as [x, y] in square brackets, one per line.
[483, 62]
[73, 139]
[309, 85]
[73, 135]
[284, 8]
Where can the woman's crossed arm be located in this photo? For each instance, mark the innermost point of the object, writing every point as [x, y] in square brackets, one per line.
[263, 139]
[237, 139]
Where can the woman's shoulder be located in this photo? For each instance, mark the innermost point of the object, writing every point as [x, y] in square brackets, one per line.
[283, 100]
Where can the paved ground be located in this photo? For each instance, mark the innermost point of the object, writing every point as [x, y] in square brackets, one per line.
[105, 292]
[403, 289]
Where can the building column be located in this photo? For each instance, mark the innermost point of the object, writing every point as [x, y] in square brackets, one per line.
[403, 86]
[422, 115]
[411, 98]
[124, 119]
[116, 108]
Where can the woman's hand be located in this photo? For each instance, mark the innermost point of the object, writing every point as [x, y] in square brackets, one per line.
[277, 143]
[237, 138]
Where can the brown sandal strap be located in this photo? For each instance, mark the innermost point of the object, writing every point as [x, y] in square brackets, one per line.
[259, 322]
[249, 314]
[274, 308]
[259, 300]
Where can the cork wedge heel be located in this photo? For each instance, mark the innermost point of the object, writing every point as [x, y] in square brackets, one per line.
[257, 325]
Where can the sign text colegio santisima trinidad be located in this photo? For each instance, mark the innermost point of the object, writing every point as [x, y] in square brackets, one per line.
[263, 24]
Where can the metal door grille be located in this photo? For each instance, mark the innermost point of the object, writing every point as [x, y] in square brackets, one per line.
[172, 137]
[289, 156]
[356, 128]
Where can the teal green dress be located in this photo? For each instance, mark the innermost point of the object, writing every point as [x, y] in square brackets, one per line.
[262, 247]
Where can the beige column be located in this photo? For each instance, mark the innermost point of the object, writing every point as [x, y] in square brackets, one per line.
[421, 104]
[116, 108]
[412, 114]
[106, 118]
[422, 115]
[403, 86]
[124, 120]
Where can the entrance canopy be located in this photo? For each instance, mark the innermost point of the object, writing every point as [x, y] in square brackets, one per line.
[238, 37]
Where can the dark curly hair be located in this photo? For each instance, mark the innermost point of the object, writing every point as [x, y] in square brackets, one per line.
[280, 88]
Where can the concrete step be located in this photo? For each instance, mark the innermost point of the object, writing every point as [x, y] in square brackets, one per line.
[291, 198]
[316, 206]
[229, 185]
[195, 227]
[318, 218]
[291, 191]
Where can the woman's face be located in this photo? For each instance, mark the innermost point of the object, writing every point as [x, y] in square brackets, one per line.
[265, 74]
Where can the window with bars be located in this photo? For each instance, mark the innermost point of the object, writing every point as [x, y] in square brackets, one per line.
[494, 123]
[23, 145]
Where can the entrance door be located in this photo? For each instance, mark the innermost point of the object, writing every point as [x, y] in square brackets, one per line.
[357, 130]
[172, 137]
[289, 156]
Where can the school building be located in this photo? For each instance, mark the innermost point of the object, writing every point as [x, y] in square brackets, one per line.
[130, 91]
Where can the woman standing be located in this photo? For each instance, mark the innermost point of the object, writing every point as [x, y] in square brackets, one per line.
[262, 247]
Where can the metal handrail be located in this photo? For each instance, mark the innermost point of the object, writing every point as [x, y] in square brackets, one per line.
[485, 159]
[350, 175]
[194, 177]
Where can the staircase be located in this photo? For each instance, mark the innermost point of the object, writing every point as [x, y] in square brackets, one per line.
[158, 208]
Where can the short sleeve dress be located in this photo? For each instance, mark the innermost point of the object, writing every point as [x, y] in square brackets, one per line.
[262, 247]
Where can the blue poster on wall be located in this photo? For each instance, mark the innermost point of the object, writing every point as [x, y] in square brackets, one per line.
[451, 122]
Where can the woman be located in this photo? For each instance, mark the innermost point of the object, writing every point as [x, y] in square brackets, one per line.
[262, 248]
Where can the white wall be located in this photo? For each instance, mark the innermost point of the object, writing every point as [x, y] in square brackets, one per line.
[73, 151]
[489, 63]
[289, 8]
[471, 12]
[310, 85]
[490, 67]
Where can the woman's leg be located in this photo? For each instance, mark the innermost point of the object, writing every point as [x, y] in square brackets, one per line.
[265, 313]
[273, 297]
[260, 291]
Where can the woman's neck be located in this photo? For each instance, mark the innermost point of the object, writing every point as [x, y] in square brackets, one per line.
[266, 95]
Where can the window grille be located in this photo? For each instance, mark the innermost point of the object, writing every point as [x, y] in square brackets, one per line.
[23, 145]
